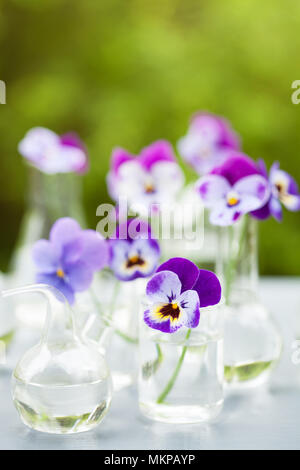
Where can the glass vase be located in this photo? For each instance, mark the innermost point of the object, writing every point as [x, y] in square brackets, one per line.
[50, 197]
[181, 374]
[112, 322]
[252, 341]
[185, 231]
[7, 319]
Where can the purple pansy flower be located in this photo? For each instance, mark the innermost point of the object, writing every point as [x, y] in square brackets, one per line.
[176, 293]
[229, 202]
[133, 251]
[152, 177]
[284, 190]
[69, 259]
[52, 154]
[207, 143]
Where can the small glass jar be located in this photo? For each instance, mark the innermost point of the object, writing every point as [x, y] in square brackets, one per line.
[181, 374]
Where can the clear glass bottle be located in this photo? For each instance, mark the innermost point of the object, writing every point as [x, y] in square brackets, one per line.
[253, 342]
[50, 197]
[62, 385]
[181, 374]
[113, 323]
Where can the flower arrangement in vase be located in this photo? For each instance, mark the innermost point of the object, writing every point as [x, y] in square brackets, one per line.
[238, 193]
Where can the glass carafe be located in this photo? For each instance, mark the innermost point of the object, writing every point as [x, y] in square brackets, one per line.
[252, 341]
[62, 385]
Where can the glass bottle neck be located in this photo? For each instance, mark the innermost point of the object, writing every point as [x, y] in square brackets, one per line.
[55, 196]
[238, 257]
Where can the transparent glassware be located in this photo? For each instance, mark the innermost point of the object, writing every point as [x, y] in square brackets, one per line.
[181, 374]
[49, 198]
[252, 340]
[7, 318]
[112, 322]
[62, 385]
[187, 232]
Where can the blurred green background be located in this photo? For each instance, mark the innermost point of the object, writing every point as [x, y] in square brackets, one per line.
[127, 72]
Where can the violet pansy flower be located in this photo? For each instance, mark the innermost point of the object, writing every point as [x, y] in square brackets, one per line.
[284, 191]
[133, 252]
[207, 143]
[51, 153]
[69, 259]
[229, 202]
[153, 177]
[176, 293]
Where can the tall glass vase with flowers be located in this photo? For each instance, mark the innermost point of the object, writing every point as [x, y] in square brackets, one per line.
[208, 142]
[181, 352]
[134, 256]
[54, 191]
[238, 192]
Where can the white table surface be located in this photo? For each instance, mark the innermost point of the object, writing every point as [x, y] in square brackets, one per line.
[264, 418]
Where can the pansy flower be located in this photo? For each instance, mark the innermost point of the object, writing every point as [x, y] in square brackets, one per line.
[133, 251]
[284, 191]
[176, 293]
[152, 177]
[207, 143]
[52, 154]
[69, 259]
[227, 202]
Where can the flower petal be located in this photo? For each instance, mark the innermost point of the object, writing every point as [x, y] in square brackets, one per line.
[58, 283]
[118, 157]
[236, 167]
[95, 250]
[64, 231]
[79, 276]
[223, 215]
[275, 208]
[154, 320]
[163, 287]
[186, 271]
[208, 288]
[159, 151]
[254, 191]
[190, 304]
[168, 179]
[212, 189]
[45, 256]
[36, 142]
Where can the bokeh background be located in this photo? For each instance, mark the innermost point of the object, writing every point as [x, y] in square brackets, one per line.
[127, 72]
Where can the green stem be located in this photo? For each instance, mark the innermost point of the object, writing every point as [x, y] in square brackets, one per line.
[108, 319]
[172, 380]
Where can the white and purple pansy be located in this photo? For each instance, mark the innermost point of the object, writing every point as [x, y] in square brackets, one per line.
[228, 202]
[209, 140]
[176, 293]
[152, 177]
[69, 259]
[133, 252]
[284, 191]
[51, 153]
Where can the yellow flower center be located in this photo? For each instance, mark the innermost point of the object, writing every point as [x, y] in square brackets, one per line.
[60, 273]
[175, 306]
[232, 199]
[149, 188]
